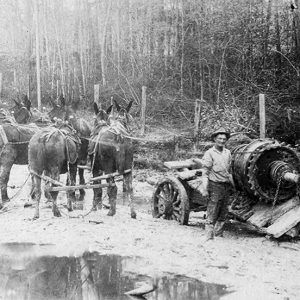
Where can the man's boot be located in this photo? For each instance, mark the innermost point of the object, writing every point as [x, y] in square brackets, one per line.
[219, 229]
[209, 228]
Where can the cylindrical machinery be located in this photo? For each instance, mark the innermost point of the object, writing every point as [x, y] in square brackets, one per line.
[266, 169]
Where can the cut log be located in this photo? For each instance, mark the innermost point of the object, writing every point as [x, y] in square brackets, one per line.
[188, 163]
[186, 175]
[285, 222]
[264, 213]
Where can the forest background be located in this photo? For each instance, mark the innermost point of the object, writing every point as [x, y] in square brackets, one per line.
[219, 54]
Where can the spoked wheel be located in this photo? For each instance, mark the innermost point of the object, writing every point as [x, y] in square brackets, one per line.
[170, 201]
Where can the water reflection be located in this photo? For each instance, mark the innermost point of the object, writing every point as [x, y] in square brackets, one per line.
[25, 274]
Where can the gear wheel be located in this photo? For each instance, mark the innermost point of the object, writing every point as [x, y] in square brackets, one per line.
[251, 165]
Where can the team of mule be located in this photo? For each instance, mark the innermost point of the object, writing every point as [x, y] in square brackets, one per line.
[57, 142]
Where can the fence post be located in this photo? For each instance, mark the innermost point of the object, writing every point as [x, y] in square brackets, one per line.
[262, 116]
[143, 109]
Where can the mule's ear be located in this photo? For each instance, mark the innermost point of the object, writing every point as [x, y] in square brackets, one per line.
[96, 109]
[117, 105]
[62, 100]
[17, 103]
[27, 102]
[108, 111]
[129, 106]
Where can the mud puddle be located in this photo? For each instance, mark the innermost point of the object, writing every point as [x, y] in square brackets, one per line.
[30, 271]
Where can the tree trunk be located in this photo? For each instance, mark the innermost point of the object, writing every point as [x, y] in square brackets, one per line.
[267, 31]
[296, 29]
[278, 47]
[182, 50]
[37, 46]
[29, 18]
[103, 43]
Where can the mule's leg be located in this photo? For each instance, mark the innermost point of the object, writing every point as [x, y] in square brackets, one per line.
[97, 200]
[47, 186]
[112, 195]
[71, 180]
[32, 189]
[36, 194]
[55, 210]
[128, 192]
[7, 161]
[81, 181]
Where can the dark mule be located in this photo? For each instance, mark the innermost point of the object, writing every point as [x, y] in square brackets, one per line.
[60, 109]
[111, 151]
[83, 130]
[24, 114]
[14, 139]
[53, 151]
[21, 113]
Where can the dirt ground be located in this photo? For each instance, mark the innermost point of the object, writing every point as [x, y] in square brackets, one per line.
[251, 266]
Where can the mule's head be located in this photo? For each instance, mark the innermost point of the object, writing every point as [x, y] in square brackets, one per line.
[55, 112]
[40, 118]
[122, 115]
[61, 110]
[21, 112]
[101, 115]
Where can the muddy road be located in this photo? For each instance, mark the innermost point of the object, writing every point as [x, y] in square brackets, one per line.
[243, 263]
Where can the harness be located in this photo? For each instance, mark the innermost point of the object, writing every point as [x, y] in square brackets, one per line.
[70, 139]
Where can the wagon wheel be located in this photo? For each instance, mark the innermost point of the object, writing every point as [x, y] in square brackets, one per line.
[170, 201]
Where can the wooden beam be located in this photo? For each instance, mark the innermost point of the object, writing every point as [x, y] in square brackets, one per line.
[110, 175]
[180, 164]
[186, 175]
[47, 178]
[285, 222]
[260, 216]
[83, 167]
[78, 187]
[264, 213]
[283, 209]
[293, 232]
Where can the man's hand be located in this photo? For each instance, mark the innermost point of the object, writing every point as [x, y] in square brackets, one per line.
[198, 161]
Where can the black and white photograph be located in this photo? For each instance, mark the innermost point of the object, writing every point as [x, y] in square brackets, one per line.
[150, 149]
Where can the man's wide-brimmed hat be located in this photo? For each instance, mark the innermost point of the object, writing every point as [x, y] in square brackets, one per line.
[221, 130]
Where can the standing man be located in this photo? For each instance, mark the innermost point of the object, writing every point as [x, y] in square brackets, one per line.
[217, 172]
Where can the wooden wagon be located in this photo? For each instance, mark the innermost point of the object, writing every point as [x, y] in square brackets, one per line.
[179, 193]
